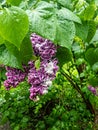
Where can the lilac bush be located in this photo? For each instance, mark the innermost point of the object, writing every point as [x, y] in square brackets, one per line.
[39, 79]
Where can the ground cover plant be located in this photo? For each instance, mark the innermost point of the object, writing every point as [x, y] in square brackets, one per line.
[49, 64]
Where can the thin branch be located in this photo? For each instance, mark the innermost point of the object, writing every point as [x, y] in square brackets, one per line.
[76, 86]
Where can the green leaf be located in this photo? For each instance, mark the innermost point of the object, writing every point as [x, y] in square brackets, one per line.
[65, 32]
[37, 64]
[82, 30]
[95, 38]
[13, 25]
[65, 3]
[89, 12]
[1, 40]
[8, 59]
[41, 20]
[91, 31]
[65, 13]
[95, 67]
[45, 22]
[14, 2]
[93, 80]
[26, 51]
[63, 55]
[91, 55]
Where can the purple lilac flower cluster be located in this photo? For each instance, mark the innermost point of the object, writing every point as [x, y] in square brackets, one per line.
[14, 77]
[43, 47]
[93, 90]
[39, 79]
[42, 78]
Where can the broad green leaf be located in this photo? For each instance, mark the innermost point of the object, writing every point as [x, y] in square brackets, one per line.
[13, 25]
[26, 51]
[45, 22]
[65, 32]
[41, 21]
[65, 13]
[91, 31]
[91, 55]
[63, 55]
[14, 2]
[7, 58]
[82, 30]
[89, 12]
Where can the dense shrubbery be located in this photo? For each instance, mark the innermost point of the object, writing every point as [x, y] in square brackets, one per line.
[61, 108]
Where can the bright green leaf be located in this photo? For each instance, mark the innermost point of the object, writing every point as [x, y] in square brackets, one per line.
[89, 12]
[37, 64]
[14, 2]
[13, 25]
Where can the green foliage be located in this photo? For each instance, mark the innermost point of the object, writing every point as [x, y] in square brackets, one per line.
[61, 108]
[64, 13]
[8, 59]
[66, 3]
[88, 13]
[16, 3]
[13, 25]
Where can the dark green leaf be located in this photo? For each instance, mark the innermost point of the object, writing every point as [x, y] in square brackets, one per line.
[63, 55]
[91, 31]
[26, 51]
[91, 55]
[65, 3]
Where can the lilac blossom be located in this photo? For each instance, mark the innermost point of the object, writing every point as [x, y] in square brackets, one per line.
[41, 79]
[43, 47]
[92, 89]
[14, 77]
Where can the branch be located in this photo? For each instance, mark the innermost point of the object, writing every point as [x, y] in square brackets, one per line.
[76, 86]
